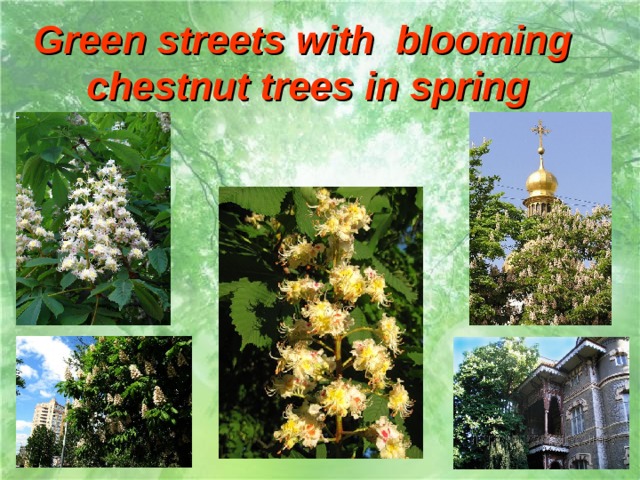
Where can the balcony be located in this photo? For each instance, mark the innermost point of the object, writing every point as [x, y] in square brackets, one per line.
[552, 440]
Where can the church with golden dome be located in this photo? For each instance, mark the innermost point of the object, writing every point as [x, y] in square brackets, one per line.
[541, 184]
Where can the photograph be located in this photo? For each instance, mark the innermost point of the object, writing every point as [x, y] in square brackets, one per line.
[541, 403]
[320, 322]
[103, 402]
[540, 219]
[93, 218]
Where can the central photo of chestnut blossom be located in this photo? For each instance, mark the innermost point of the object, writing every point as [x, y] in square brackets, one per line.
[321, 313]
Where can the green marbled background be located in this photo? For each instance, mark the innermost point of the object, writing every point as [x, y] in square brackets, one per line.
[331, 143]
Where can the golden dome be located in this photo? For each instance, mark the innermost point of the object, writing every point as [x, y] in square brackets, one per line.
[541, 182]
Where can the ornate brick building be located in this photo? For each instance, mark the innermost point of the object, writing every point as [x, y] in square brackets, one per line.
[577, 409]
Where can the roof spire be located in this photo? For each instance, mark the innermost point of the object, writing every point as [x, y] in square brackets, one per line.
[541, 184]
[541, 130]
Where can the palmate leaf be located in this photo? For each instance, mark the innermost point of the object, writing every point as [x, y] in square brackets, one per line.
[53, 305]
[414, 452]
[249, 304]
[59, 191]
[363, 194]
[51, 154]
[67, 280]
[30, 314]
[158, 259]
[122, 292]
[262, 200]
[377, 408]
[35, 174]
[29, 282]
[303, 215]
[416, 357]
[163, 298]
[36, 262]
[150, 303]
[73, 317]
[127, 155]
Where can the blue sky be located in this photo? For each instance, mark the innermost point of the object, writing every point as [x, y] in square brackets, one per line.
[553, 348]
[577, 152]
[44, 366]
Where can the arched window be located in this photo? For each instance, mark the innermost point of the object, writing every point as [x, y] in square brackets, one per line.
[580, 464]
[625, 406]
[621, 359]
[581, 461]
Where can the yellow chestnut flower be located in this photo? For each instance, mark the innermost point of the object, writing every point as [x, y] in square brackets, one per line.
[389, 441]
[296, 252]
[326, 318]
[390, 333]
[341, 398]
[399, 401]
[347, 282]
[375, 287]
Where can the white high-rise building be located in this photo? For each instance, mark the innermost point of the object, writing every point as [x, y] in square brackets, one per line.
[49, 414]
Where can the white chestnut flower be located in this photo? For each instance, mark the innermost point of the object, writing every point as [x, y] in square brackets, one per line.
[158, 396]
[30, 234]
[99, 227]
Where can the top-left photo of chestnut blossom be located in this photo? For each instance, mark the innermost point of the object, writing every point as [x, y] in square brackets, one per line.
[93, 218]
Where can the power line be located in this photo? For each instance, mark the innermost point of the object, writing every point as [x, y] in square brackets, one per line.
[574, 204]
[583, 203]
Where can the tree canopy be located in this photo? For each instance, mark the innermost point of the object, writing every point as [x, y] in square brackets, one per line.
[488, 432]
[131, 403]
[41, 447]
[551, 269]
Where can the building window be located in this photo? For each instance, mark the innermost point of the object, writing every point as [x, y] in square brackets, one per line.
[575, 380]
[580, 464]
[577, 420]
[625, 406]
[581, 461]
[621, 359]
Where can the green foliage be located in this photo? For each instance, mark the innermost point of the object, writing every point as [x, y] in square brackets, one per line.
[54, 150]
[20, 383]
[65, 446]
[253, 223]
[488, 432]
[132, 403]
[247, 299]
[508, 452]
[491, 222]
[41, 447]
[261, 200]
[562, 272]
[558, 271]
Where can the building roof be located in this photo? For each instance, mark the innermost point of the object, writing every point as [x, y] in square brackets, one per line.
[586, 348]
[542, 371]
[558, 373]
